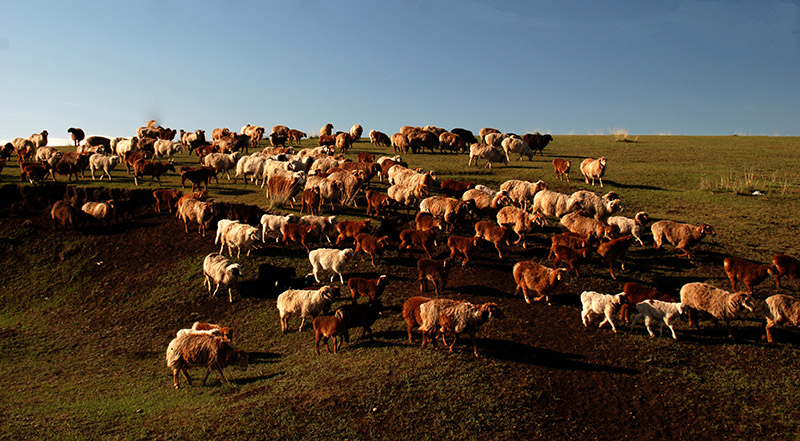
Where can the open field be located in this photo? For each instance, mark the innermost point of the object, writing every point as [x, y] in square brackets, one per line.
[85, 319]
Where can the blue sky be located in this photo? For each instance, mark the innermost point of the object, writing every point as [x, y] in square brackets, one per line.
[714, 67]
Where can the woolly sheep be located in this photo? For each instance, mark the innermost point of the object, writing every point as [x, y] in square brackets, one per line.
[595, 303]
[252, 165]
[520, 221]
[103, 211]
[39, 139]
[355, 132]
[494, 139]
[450, 210]
[222, 162]
[99, 161]
[681, 235]
[594, 168]
[531, 276]
[635, 226]
[517, 146]
[587, 226]
[273, 223]
[721, 304]
[304, 303]
[592, 204]
[489, 153]
[196, 350]
[407, 196]
[664, 312]
[329, 259]
[164, 147]
[781, 310]
[326, 225]
[219, 270]
[462, 317]
[523, 193]
[240, 236]
[552, 203]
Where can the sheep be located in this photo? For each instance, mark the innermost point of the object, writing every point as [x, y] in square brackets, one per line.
[721, 304]
[452, 142]
[304, 303]
[252, 165]
[329, 259]
[281, 189]
[219, 270]
[594, 205]
[749, 273]
[310, 200]
[568, 239]
[343, 142]
[200, 177]
[327, 129]
[39, 139]
[355, 132]
[537, 141]
[167, 196]
[65, 215]
[491, 232]
[99, 142]
[552, 203]
[489, 153]
[370, 245]
[71, 164]
[422, 239]
[486, 204]
[164, 147]
[561, 168]
[456, 318]
[461, 245]
[485, 131]
[155, 169]
[76, 134]
[47, 154]
[568, 255]
[325, 225]
[531, 276]
[363, 316]
[664, 312]
[433, 270]
[681, 235]
[636, 293]
[426, 221]
[329, 190]
[785, 265]
[587, 226]
[594, 168]
[450, 210]
[379, 139]
[518, 146]
[222, 162]
[495, 139]
[350, 229]
[295, 136]
[295, 232]
[595, 303]
[99, 161]
[410, 178]
[420, 140]
[411, 313]
[102, 211]
[454, 188]
[326, 327]
[635, 226]
[195, 211]
[369, 288]
[520, 222]
[523, 193]
[614, 250]
[407, 196]
[273, 223]
[239, 236]
[376, 202]
[781, 310]
[122, 145]
[194, 350]
[351, 183]
[466, 135]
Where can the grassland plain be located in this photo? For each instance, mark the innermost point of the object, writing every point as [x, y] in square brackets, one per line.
[85, 319]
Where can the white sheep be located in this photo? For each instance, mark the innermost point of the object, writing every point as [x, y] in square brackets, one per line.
[273, 223]
[219, 270]
[103, 211]
[487, 152]
[592, 204]
[252, 165]
[165, 147]
[517, 146]
[522, 193]
[407, 196]
[123, 145]
[520, 221]
[39, 139]
[326, 225]
[304, 303]
[781, 310]
[329, 259]
[586, 226]
[455, 317]
[240, 236]
[495, 139]
[594, 168]
[222, 228]
[595, 303]
[635, 226]
[552, 203]
[222, 162]
[47, 154]
[719, 303]
[664, 312]
[446, 208]
[99, 161]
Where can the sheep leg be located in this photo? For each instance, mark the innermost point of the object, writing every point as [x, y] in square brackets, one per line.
[585, 318]
[185, 371]
[770, 325]
[303, 322]
[497, 247]
[611, 269]
[635, 319]
[230, 295]
[455, 339]
[221, 374]
[601, 182]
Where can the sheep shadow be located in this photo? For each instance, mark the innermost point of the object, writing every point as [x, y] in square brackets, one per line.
[255, 379]
[262, 357]
[636, 186]
[484, 291]
[521, 353]
[231, 191]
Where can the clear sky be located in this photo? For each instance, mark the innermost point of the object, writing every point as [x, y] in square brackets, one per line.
[716, 67]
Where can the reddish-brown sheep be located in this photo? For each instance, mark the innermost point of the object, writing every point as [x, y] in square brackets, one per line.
[747, 272]
[635, 293]
[433, 270]
[613, 251]
[561, 167]
[370, 245]
[461, 245]
[369, 288]
[415, 238]
[351, 229]
[296, 232]
[785, 265]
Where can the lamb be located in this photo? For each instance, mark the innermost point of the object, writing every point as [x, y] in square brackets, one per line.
[421, 239]
[376, 202]
[196, 211]
[594, 168]
[461, 317]
[76, 134]
[208, 329]
[194, 350]
[719, 303]
[595, 303]
[165, 147]
[363, 316]
[568, 255]
[537, 141]
[587, 226]
[561, 167]
[329, 259]
[102, 211]
[665, 312]
[369, 288]
[515, 145]
[325, 225]
[304, 303]
[636, 293]
[99, 161]
[568, 239]
[531, 276]
[426, 221]
[461, 246]
[412, 314]
[593, 204]
[35, 172]
[350, 229]
[489, 153]
[370, 245]
[433, 270]
[749, 273]
[295, 232]
[273, 223]
[785, 265]
[523, 193]
[681, 235]
[240, 236]
[614, 250]
[379, 139]
[167, 196]
[39, 139]
[326, 327]
[781, 310]
[520, 222]
[310, 201]
[219, 270]
[491, 232]
[295, 136]
[635, 226]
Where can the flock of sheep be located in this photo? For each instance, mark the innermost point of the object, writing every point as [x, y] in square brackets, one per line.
[318, 178]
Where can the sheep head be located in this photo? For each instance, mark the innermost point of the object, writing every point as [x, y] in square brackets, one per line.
[707, 229]
[234, 270]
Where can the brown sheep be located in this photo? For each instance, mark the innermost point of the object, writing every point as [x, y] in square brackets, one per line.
[400, 143]
[614, 250]
[351, 229]
[433, 270]
[296, 232]
[369, 288]
[326, 327]
[461, 245]
[376, 201]
[167, 196]
[310, 200]
[568, 239]
[681, 235]
[411, 313]
[561, 167]
[379, 139]
[421, 239]
[635, 293]
[65, 215]
[426, 221]
[370, 245]
[196, 349]
[570, 256]
[155, 169]
[749, 273]
[295, 136]
[537, 141]
[785, 265]
[496, 234]
[531, 276]
[77, 135]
